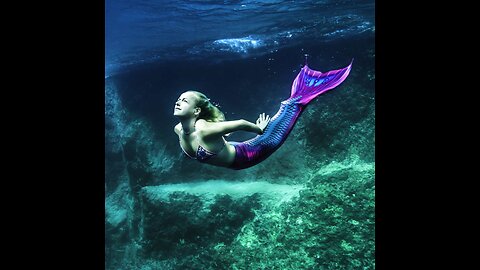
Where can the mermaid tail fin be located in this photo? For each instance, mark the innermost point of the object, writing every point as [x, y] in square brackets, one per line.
[310, 83]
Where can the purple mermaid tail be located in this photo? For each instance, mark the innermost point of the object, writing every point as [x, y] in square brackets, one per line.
[307, 85]
[310, 83]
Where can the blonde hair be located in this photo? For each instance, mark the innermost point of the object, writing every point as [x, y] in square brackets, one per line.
[209, 111]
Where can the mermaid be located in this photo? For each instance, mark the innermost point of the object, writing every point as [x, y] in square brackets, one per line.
[202, 128]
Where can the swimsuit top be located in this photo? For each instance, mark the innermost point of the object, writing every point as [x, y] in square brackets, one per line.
[202, 154]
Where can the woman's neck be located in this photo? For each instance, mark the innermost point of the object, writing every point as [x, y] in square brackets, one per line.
[188, 125]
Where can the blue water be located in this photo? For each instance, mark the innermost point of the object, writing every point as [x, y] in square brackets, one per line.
[243, 55]
[139, 32]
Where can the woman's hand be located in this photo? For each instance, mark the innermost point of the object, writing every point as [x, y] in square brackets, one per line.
[263, 121]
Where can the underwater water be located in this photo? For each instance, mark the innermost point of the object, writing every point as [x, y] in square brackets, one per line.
[311, 205]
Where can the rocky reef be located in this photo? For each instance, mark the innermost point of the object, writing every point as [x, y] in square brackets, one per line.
[309, 206]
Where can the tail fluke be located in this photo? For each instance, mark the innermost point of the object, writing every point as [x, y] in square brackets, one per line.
[310, 83]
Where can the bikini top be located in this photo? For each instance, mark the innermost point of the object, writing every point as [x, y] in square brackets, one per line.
[202, 154]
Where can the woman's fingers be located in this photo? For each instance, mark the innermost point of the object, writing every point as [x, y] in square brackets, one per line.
[263, 118]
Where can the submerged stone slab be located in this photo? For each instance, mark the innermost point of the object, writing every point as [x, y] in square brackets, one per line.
[184, 219]
[207, 190]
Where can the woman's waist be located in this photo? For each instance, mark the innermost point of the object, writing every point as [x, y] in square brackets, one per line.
[223, 158]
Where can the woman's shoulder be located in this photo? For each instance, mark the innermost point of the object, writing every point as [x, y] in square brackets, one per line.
[205, 128]
[202, 123]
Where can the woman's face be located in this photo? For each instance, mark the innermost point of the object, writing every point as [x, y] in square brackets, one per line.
[185, 105]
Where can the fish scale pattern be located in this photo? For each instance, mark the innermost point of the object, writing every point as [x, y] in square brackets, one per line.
[262, 146]
[280, 125]
[307, 85]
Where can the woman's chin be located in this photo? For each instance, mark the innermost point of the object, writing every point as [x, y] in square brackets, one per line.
[177, 114]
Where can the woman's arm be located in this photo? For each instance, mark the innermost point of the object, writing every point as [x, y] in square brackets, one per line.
[222, 128]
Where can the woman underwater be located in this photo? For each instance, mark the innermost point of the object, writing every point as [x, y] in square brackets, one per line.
[202, 125]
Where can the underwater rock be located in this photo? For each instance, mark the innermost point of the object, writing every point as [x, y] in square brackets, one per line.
[117, 224]
[184, 219]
